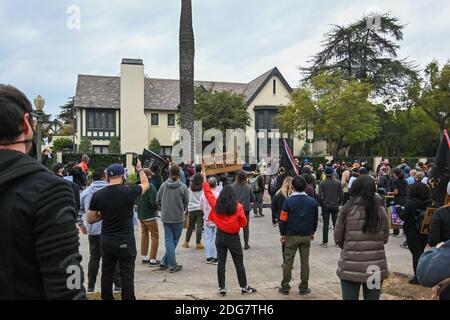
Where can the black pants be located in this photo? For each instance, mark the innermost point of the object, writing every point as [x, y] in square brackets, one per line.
[416, 244]
[274, 215]
[94, 262]
[345, 198]
[247, 228]
[230, 242]
[326, 213]
[124, 252]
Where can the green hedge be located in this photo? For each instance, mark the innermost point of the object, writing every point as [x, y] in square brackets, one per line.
[96, 160]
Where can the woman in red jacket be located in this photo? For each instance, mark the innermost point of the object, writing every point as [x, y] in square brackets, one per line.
[229, 217]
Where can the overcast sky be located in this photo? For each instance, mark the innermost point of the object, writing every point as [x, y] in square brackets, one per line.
[236, 40]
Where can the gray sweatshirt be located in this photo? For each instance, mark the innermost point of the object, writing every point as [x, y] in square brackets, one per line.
[173, 200]
[194, 201]
[244, 194]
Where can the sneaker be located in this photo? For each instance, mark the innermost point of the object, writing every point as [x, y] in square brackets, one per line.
[222, 292]
[215, 262]
[185, 245]
[324, 245]
[144, 261]
[284, 291]
[176, 268]
[117, 289]
[90, 290]
[246, 246]
[248, 290]
[200, 246]
[163, 267]
[155, 264]
[304, 292]
[209, 260]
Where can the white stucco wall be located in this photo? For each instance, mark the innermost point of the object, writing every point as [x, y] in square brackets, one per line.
[162, 131]
[134, 129]
[267, 98]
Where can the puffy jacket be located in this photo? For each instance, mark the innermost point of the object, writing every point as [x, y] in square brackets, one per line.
[38, 237]
[228, 224]
[360, 251]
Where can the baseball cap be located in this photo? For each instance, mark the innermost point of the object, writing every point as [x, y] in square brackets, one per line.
[115, 170]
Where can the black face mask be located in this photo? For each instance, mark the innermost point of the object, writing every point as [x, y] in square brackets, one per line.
[33, 151]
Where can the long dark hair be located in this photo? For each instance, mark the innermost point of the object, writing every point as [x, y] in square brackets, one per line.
[363, 193]
[227, 202]
[197, 183]
[241, 177]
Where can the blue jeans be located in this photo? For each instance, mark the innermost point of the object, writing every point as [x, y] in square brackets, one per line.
[210, 238]
[172, 234]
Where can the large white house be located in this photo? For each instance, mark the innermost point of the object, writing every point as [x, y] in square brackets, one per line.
[137, 108]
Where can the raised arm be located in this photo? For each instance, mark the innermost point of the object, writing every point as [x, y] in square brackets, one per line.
[145, 185]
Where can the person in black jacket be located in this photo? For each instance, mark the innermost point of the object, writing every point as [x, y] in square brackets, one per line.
[419, 199]
[276, 181]
[39, 257]
[278, 201]
[440, 224]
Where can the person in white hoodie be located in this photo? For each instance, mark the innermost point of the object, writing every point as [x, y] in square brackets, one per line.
[209, 226]
[195, 212]
[94, 231]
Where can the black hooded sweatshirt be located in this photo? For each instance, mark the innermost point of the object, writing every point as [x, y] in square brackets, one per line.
[39, 256]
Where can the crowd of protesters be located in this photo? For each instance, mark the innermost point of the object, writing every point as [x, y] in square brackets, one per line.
[42, 240]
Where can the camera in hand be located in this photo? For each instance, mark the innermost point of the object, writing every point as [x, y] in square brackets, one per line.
[135, 160]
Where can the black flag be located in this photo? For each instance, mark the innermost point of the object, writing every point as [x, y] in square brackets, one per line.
[287, 161]
[439, 175]
[149, 159]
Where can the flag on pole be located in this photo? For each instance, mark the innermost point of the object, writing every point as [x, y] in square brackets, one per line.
[440, 173]
[149, 159]
[287, 161]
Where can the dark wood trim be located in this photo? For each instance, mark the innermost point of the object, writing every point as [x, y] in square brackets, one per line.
[262, 108]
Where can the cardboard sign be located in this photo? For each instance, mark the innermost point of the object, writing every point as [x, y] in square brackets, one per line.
[426, 224]
[221, 163]
[394, 219]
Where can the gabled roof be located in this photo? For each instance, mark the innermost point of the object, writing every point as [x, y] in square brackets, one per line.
[160, 94]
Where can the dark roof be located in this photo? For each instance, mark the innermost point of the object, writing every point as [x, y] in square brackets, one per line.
[160, 94]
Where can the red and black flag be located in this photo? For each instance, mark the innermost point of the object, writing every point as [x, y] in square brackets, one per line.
[439, 175]
[287, 161]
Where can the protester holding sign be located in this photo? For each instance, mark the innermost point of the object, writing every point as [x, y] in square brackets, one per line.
[419, 199]
[229, 217]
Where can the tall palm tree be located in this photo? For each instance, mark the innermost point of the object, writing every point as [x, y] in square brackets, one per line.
[187, 54]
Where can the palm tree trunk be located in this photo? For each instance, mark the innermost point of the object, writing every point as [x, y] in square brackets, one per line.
[187, 55]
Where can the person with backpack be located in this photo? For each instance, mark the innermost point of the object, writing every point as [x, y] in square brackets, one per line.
[419, 199]
[229, 217]
[257, 186]
[245, 197]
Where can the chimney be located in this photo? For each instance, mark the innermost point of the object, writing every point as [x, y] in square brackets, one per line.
[133, 123]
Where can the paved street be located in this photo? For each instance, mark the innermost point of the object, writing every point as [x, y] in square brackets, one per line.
[263, 261]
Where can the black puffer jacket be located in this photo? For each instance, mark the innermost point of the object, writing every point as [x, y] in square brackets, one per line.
[38, 237]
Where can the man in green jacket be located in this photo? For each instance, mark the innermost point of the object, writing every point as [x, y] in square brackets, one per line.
[147, 214]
